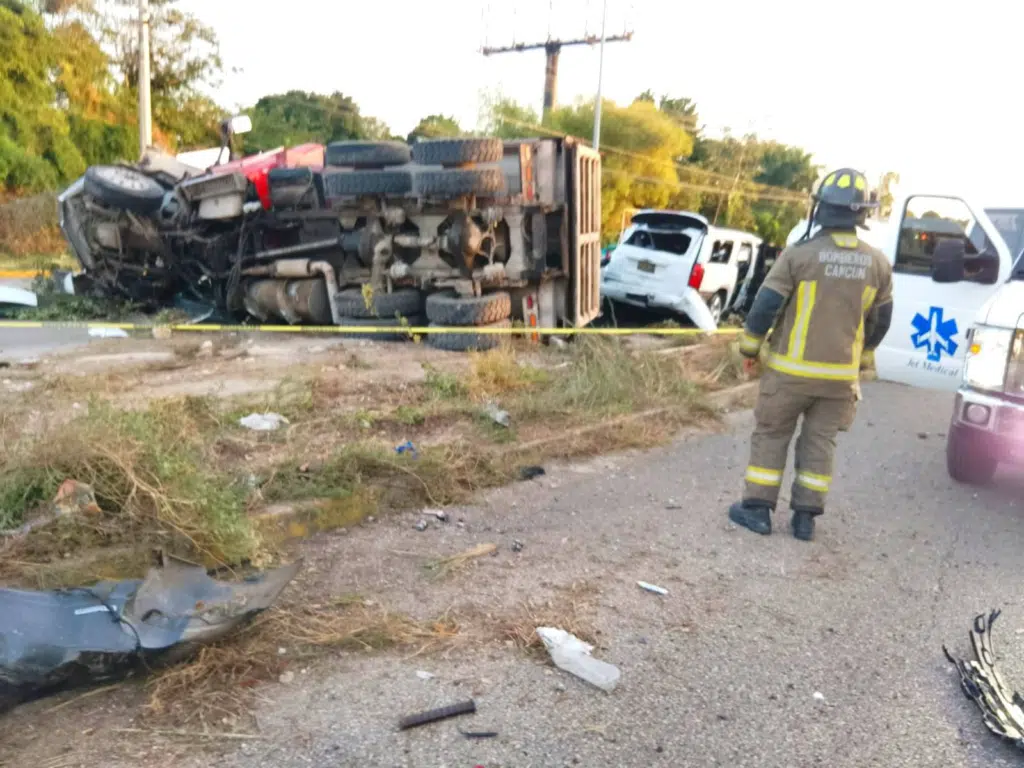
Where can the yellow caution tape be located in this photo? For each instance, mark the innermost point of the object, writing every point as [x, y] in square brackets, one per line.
[22, 274]
[388, 329]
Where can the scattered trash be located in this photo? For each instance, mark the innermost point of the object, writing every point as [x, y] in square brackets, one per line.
[421, 526]
[819, 696]
[424, 675]
[498, 416]
[572, 655]
[73, 498]
[922, 435]
[440, 514]
[407, 447]
[558, 343]
[479, 734]
[463, 558]
[530, 473]
[108, 333]
[286, 677]
[263, 422]
[652, 588]
[517, 546]
[92, 635]
[18, 386]
[1001, 707]
[434, 715]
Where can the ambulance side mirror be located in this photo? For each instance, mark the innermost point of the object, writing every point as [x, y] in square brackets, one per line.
[948, 261]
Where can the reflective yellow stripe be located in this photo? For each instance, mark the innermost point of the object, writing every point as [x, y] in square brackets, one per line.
[750, 343]
[762, 476]
[866, 300]
[805, 295]
[830, 371]
[814, 482]
[844, 241]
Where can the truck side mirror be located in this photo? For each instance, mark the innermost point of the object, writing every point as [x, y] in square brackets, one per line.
[948, 260]
[240, 124]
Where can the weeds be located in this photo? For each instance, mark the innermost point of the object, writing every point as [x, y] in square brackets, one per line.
[152, 478]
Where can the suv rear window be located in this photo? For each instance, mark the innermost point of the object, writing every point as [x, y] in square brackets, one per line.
[669, 242]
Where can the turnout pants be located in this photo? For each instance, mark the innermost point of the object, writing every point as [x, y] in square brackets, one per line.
[827, 409]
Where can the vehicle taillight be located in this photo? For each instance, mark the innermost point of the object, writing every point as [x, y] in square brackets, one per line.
[696, 276]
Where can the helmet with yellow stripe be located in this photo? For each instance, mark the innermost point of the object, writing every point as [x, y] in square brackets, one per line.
[843, 200]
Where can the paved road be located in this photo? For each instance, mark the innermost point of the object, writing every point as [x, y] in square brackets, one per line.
[18, 344]
[723, 671]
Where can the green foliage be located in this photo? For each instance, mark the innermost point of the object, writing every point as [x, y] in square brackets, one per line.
[296, 117]
[436, 127]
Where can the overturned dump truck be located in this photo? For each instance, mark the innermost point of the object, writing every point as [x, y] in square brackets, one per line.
[450, 232]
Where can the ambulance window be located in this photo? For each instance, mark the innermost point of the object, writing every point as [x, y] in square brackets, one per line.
[928, 220]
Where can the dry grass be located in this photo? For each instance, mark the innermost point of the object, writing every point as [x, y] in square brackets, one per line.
[571, 609]
[448, 565]
[220, 684]
[28, 227]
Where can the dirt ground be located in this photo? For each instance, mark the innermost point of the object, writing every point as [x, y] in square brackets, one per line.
[393, 569]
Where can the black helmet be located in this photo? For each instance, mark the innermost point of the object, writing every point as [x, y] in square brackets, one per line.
[842, 201]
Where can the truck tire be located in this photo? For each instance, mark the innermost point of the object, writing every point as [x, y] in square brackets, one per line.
[455, 152]
[125, 188]
[448, 308]
[467, 342]
[416, 321]
[366, 183]
[367, 154]
[405, 302]
[966, 461]
[459, 182]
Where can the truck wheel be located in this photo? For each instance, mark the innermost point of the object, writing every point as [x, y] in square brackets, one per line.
[966, 461]
[124, 188]
[366, 183]
[466, 342]
[455, 152]
[367, 154]
[459, 182]
[416, 321]
[448, 308]
[405, 302]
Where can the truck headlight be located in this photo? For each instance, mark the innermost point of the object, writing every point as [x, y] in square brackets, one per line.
[987, 357]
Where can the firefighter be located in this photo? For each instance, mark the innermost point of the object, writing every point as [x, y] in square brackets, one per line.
[826, 299]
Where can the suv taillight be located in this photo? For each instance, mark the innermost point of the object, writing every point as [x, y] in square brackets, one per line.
[696, 276]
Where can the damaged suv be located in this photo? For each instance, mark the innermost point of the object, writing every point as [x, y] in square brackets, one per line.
[450, 232]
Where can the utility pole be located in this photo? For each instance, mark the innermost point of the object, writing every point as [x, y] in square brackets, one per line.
[552, 49]
[600, 77]
[145, 106]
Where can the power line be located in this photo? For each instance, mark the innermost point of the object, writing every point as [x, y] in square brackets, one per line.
[788, 194]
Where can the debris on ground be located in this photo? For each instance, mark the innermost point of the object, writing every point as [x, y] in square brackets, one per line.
[652, 588]
[54, 640]
[263, 422]
[434, 715]
[421, 526]
[531, 473]
[517, 546]
[572, 655]
[479, 734]
[407, 447]
[498, 416]
[455, 562]
[1001, 706]
[440, 514]
[422, 675]
[108, 333]
[73, 498]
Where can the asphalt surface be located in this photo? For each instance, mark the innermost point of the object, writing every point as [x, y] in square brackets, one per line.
[724, 671]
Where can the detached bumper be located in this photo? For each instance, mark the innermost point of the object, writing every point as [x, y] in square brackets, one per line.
[991, 426]
[688, 303]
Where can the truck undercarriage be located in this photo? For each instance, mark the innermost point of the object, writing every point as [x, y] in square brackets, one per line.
[451, 231]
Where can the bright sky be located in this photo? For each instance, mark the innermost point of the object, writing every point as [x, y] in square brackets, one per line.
[923, 87]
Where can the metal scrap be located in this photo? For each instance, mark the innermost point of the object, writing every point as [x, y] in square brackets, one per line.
[63, 638]
[433, 715]
[1001, 706]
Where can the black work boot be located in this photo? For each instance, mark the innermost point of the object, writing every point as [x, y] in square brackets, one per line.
[753, 515]
[803, 522]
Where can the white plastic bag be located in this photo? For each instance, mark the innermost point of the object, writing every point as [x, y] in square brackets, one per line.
[573, 655]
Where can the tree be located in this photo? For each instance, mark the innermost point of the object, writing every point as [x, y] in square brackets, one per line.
[36, 151]
[435, 127]
[885, 196]
[296, 117]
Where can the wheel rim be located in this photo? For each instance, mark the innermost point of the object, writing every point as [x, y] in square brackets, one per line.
[716, 307]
